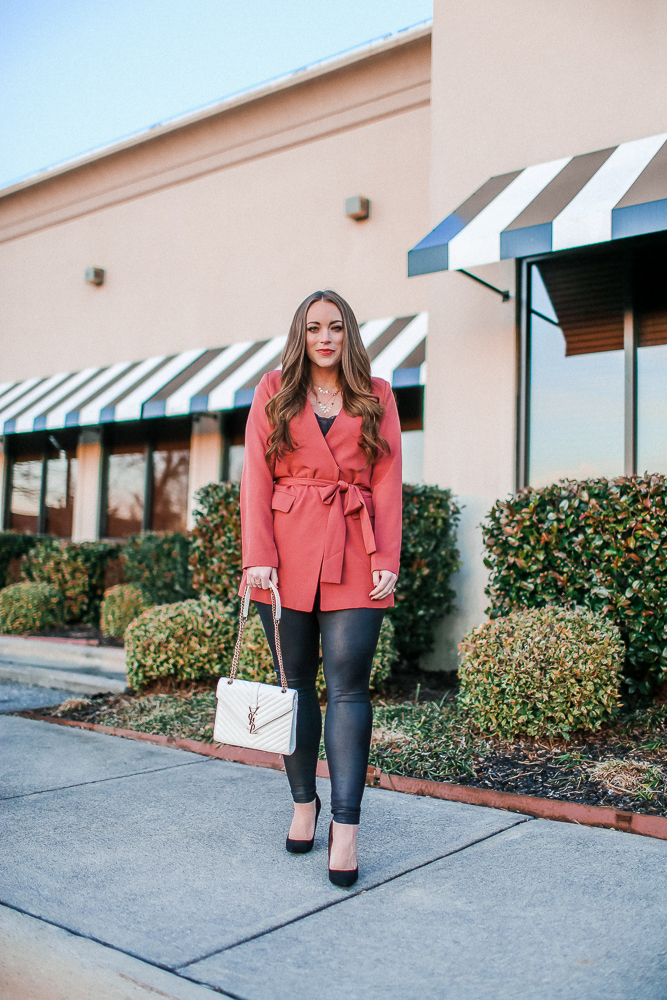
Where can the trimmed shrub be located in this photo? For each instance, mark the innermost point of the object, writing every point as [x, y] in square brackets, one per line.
[216, 542]
[76, 570]
[121, 605]
[543, 672]
[13, 546]
[159, 564]
[30, 607]
[187, 641]
[598, 543]
[428, 558]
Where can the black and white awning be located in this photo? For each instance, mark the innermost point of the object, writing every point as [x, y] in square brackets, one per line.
[572, 202]
[195, 381]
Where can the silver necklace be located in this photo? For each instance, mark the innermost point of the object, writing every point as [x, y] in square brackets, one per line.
[323, 408]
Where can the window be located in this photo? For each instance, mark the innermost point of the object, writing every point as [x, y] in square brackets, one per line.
[126, 485]
[233, 432]
[171, 467]
[410, 402]
[43, 478]
[651, 294]
[594, 396]
[26, 487]
[576, 384]
[146, 477]
[59, 494]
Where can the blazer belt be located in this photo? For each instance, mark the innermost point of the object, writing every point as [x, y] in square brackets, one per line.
[332, 493]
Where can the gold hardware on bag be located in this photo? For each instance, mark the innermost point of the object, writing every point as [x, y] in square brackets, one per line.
[251, 718]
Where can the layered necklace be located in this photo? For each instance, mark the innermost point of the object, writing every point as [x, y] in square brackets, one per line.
[332, 393]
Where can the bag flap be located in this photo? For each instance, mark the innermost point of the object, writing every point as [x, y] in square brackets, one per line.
[264, 702]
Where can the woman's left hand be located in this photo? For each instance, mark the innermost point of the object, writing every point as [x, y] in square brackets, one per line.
[384, 584]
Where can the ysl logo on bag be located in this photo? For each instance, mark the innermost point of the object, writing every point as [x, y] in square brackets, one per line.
[252, 712]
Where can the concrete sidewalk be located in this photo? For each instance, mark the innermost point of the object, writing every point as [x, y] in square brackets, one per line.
[62, 665]
[133, 869]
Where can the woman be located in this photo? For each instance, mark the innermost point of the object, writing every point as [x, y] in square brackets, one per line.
[321, 519]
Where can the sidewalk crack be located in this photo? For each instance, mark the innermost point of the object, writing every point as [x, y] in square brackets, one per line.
[352, 895]
[97, 781]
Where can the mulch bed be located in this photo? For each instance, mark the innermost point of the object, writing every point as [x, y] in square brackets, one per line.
[431, 740]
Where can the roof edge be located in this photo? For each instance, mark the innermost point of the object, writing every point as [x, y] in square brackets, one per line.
[256, 92]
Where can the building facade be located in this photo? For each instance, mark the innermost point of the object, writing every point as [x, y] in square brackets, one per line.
[518, 150]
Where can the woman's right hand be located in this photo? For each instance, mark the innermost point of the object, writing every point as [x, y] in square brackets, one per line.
[259, 576]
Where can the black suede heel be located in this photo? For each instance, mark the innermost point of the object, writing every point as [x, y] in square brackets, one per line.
[303, 846]
[343, 878]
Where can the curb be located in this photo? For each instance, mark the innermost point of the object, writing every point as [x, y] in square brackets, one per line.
[528, 805]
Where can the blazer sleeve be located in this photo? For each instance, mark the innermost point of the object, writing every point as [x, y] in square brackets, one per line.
[387, 486]
[258, 543]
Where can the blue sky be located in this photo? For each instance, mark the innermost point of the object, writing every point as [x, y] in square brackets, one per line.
[76, 74]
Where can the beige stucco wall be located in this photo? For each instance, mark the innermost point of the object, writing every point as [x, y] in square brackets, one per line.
[213, 233]
[513, 83]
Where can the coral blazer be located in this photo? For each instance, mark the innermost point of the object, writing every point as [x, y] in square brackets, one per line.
[320, 515]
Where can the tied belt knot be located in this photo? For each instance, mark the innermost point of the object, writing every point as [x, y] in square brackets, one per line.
[332, 493]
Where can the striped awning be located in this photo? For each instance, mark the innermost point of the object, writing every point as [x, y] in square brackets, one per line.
[196, 381]
[572, 202]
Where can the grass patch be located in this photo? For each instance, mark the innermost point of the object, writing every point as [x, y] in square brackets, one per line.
[185, 714]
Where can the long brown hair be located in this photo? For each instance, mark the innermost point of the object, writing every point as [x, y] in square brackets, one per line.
[354, 379]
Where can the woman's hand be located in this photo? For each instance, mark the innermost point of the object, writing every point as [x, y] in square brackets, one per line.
[259, 576]
[384, 584]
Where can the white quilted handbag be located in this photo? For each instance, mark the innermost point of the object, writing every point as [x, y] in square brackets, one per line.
[249, 714]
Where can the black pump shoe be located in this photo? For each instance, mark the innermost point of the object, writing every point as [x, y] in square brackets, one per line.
[303, 846]
[345, 877]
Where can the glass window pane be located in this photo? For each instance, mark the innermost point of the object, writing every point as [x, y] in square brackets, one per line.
[60, 485]
[412, 449]
[171, 466]
[652, 408]
[651, 312]
[236, 454]
[26, 490]
[576, 398]
[126, 482]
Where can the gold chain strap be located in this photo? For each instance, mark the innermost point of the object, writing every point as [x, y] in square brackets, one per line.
[239, 639]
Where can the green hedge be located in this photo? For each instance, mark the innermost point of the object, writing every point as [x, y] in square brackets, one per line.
[13, 546]
[542, 672]
[598, 543]
[159, 564]
[30, 607]
[121, 605]
[428, 558]
[216, 542]
[186, 641]
[194, 640]
[76, 570]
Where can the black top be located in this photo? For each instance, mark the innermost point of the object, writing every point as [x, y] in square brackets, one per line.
[325, 423]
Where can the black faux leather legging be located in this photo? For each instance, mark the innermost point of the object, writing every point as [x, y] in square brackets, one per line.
[349, 639]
